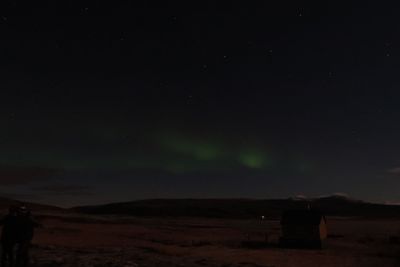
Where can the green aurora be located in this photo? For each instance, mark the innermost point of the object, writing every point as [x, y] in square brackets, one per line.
[165, 151]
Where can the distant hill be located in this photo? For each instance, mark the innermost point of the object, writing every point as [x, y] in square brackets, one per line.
[5, 203]
[243, 208]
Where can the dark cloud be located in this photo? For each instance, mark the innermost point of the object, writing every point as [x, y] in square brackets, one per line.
[21, 196]
[18, 175]
[62, 189]
[394, 170]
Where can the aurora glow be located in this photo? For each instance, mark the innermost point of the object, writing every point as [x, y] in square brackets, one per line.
[255, 160]
[191, 147]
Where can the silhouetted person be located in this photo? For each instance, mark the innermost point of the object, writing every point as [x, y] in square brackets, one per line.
[25, 226]
[9, 237]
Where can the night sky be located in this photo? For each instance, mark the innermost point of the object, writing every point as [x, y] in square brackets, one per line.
[104, 101]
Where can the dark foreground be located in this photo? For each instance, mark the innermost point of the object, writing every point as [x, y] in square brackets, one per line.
[108, 241]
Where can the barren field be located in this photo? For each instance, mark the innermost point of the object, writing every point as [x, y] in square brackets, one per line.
[110, 241]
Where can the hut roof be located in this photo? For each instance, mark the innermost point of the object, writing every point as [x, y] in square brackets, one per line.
[302, 217]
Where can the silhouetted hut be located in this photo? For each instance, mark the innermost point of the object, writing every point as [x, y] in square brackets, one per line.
[303, 228]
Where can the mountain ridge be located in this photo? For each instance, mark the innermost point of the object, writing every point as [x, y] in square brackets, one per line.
[333, 205]
[6, 202]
